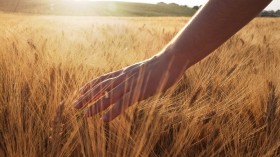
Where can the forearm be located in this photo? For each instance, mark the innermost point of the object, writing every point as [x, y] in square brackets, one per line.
[216, 22]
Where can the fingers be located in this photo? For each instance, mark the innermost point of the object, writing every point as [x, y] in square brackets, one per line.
[118, 86]
[100, 89]
[119, 107]
[100, 79]
[96, 81]
[112, 97]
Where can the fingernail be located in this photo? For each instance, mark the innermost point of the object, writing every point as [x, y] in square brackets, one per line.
[76, 104]
[86, 113]
[105, 118]
[81, 90]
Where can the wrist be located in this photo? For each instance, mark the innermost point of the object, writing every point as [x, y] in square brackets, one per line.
[176, 59]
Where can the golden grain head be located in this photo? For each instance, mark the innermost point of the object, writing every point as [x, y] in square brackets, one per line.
[45, 59]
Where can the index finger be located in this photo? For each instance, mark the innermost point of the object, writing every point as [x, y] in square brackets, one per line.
[98, 80]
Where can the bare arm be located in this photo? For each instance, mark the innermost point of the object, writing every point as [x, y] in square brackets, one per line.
[217, 21]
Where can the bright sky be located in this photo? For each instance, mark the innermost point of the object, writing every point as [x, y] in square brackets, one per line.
[274, 5]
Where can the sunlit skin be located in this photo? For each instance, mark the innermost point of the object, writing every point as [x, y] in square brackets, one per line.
[216, 22]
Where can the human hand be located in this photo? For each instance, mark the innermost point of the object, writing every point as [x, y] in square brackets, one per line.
[127, 86]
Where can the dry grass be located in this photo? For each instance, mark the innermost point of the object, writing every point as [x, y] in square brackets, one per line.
[226, 105]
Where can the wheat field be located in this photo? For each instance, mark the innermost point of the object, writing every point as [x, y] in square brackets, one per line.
[225, 105]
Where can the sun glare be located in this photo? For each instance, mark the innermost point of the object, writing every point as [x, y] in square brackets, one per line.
[84, 7]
